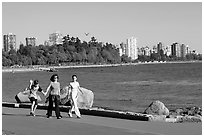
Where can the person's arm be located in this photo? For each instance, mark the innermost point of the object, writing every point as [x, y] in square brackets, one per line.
[41, 90]
[80, 89]
[59, 90]
[48, 88]
[31, 82]
[29, 87]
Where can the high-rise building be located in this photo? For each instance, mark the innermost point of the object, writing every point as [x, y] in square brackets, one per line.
[122, 48]
[183, 50]
[31, 41]
[9, 42]
[178, 50]
[131, 48]
[188, 51]
[173, 49]
[55, 38]
[159, 47]
[167, 50]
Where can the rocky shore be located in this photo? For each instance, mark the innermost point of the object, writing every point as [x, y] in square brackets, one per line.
[189, 114]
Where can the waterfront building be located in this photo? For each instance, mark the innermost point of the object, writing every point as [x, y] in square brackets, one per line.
[178, 50]
[154, 49]
[159, 47]
[131, 48]
[55, 38]
[167, 50]
[183, 50]
[173, 49]
[147, 51]
[188, 51]
[144, 51]
[122, 48]
[9, 42]
[30, 41]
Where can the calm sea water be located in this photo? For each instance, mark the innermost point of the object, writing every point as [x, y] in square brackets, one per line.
[128, 88]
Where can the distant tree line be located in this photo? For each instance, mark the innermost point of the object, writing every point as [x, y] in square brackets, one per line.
[72, 50]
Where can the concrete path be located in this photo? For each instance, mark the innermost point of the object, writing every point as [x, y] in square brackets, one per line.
[17, 121]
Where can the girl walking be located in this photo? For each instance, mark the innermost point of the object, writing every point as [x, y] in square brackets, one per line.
[75, 88]
[54, 96]
[34, 87]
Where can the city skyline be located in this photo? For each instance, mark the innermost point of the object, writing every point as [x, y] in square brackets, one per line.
[149, 22]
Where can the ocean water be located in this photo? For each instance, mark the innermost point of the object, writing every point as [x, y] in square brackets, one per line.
[127, 88]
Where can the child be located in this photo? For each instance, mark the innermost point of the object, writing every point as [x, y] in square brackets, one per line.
[34, 87]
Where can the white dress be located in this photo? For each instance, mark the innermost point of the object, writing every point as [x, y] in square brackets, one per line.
[74, 89]
[74, 94]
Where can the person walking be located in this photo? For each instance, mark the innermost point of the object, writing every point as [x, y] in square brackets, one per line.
[34, 87]
[74, 88]
[54, 96]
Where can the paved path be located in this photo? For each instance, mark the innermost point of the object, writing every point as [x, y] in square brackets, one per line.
[17, 121]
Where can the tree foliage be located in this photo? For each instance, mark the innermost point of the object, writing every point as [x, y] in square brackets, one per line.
[71, 51]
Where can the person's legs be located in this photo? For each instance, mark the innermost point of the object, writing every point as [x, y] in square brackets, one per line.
[32, 105]
[36, 104]
[71, 107]
[50, 106]
[76, 109]
[57, 110]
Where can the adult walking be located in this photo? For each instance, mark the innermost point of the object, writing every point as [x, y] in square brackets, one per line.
[54, 96]
[74, 88]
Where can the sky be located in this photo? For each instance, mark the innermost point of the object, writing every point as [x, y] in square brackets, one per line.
[112, 22]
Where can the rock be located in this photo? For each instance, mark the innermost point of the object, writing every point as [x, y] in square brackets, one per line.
[85, 99]
[191, 111]
[179, 111]
[158, 118]
[157, 108]
[190, 119]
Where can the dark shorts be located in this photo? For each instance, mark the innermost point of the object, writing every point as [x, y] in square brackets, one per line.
[32, 99]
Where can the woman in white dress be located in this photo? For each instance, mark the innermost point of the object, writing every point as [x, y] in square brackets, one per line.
[74, 88]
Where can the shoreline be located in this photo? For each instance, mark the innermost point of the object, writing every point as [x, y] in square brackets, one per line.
[23, 69]
[128, 115]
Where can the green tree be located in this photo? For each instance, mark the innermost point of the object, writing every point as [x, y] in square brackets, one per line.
[125, 59]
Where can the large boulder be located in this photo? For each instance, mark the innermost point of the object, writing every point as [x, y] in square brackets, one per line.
[23, 97]
[84, 100]
[157, 108]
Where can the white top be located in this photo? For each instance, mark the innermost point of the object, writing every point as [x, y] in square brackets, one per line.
[74, 86]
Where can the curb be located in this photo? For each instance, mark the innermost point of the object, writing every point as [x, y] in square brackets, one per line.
[89, 111]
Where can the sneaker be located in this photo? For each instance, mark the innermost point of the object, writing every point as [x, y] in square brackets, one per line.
[70, 114]
[48, 116]
[32, 114]
[59, 117]
[78, 117]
